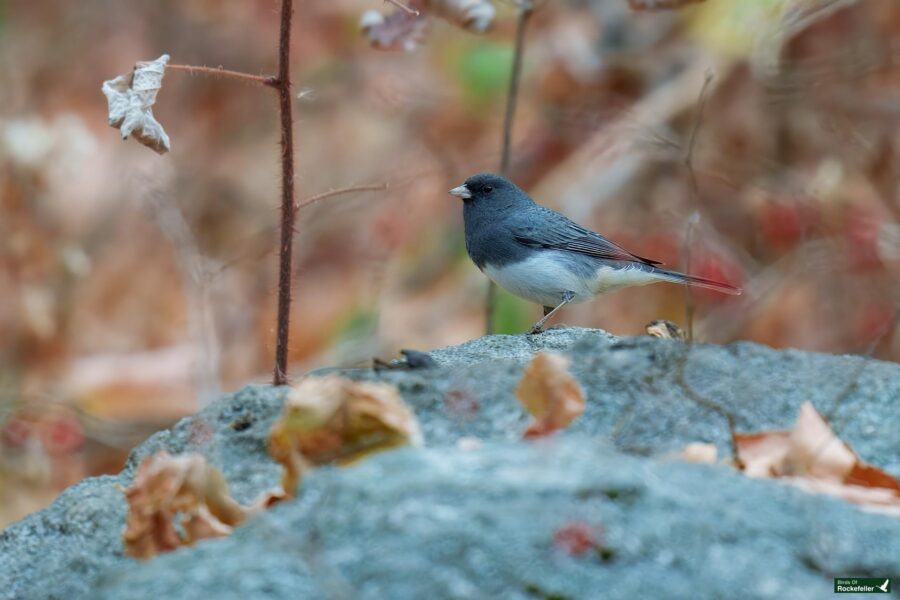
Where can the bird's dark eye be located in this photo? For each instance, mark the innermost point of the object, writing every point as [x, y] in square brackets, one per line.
[487, 189]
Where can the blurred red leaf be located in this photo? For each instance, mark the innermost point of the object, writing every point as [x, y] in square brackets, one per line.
[861, 238]
[62, 434]
[461, 403]
[576, 538]
[783, 224]
[16, 432]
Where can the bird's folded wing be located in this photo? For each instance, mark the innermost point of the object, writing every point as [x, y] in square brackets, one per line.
[560, 233]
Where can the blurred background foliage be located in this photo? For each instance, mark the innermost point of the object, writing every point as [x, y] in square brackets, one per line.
[136, 287]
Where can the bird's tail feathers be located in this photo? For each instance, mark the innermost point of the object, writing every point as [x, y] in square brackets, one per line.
[676, 277]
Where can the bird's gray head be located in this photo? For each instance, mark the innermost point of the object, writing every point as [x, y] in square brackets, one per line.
[489, 190]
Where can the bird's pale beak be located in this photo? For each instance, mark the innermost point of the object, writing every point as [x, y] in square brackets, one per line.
[461, 192]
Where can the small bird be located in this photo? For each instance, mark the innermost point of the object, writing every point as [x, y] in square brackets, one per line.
[540, 255]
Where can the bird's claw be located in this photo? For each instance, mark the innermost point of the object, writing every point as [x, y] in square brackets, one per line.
[535, 330]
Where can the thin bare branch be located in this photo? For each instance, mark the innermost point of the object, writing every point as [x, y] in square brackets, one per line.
[219, 71]
[526, 9]
[698, 121]
[695, 217]
[374, 187]
[403, 7]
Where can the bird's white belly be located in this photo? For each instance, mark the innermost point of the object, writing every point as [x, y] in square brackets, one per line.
[543, 279]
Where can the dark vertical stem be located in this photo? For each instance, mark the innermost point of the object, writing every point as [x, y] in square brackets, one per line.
[288, 209]
[526, 9]
[512, 96]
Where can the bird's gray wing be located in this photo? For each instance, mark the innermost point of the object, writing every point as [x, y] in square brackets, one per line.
[545, 228]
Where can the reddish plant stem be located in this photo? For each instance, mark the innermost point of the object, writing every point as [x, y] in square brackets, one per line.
[288, 209]
[261, 79]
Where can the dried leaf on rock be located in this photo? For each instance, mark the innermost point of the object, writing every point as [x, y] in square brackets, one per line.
[665, 330]
[814, 450]
[811, 456]
[131, 98]
[699, 452]
[170, 491]
[333, 419]
[550, 393]
[405, 30]
[759, 453]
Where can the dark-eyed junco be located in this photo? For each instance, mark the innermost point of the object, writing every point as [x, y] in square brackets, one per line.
[542, 256]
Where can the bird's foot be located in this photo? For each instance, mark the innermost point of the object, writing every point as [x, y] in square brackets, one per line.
[535, 329]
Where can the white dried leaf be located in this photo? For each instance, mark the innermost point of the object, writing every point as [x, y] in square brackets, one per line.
[131, 98]
[399, 30]
[475, 15]
[405, 29]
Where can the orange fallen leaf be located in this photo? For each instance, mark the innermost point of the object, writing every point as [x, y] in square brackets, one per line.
[812, 457]
[550, 393]
[169, 491]
[334, 419]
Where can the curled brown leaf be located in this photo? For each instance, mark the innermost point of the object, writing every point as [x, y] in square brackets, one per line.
[550, 393]
[812, 457]
[171, 491]
[334, 419]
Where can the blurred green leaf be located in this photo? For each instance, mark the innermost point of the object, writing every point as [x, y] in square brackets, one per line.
[512, 314]
[484, 71]
[360, 323]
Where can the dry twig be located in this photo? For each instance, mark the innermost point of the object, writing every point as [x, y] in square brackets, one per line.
[403, 7]
[526, 9]
[267, 80]
[695, 217]
[375, 187]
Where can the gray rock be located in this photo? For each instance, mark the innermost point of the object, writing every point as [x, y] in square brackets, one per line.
[481, 524]
[449, 523]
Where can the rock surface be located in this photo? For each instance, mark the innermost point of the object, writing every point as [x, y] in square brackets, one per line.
[500, 519]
